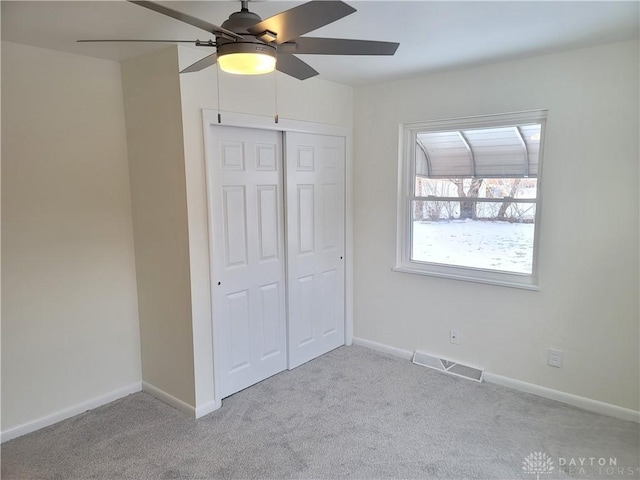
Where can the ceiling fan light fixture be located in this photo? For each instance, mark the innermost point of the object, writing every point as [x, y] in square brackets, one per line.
[247, 58]
[247, 63]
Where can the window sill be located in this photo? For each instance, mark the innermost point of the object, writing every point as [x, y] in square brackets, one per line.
[524, 282]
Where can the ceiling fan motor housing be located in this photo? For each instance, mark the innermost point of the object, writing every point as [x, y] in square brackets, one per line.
[240, 22]
[250, 45]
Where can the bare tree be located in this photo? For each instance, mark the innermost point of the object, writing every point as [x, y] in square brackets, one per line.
[515, 185]
[467, 207]
[431, 209]
[418, 208]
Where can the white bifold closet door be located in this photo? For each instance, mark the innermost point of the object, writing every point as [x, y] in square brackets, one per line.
[277, 279]
[315, 244]
[247, 256]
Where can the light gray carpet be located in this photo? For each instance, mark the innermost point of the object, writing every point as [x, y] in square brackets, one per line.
[353, 413]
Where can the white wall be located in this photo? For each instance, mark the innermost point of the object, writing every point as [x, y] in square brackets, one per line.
[156, 162]
[587, 305]
[69, 310]
[312, 100]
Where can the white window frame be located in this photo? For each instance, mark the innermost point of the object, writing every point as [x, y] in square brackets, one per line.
[406, 186]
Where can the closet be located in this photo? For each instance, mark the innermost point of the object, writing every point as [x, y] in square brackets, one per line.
[277, 244]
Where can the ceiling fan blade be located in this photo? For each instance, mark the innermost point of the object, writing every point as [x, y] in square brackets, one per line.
[183, 17]
[201, 64]
[155, 41]
[302, 19]
[294, 67]
[338, 46]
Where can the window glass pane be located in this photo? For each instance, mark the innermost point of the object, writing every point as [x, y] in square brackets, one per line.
[471, 233]
[511, 151]
[476, 187]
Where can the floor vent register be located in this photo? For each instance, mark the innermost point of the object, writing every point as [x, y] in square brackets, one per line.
[448, 366]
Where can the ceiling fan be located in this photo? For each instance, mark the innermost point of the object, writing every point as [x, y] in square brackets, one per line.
[245, 44]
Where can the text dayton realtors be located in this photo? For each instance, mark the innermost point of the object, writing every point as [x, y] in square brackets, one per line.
[608, 466]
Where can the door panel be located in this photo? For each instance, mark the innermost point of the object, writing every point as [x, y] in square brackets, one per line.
[305, 214]
[247, 253]
[315, 244]
[234, 226]
[268, 233]
[238, 304]
[329, 301]
[270, 320]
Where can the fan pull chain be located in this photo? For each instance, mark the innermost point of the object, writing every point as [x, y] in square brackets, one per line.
[218, 91]
[275, 90]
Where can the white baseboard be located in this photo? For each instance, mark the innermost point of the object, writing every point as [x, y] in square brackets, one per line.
[564, 397]
[396, 352]
[169, 399]
[207, 408]
[69, 412]
[181, 405]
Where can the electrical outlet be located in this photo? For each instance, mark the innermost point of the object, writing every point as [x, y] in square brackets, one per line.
[453, 337]
[555, 358]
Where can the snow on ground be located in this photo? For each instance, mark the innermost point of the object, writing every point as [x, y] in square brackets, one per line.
[475, 243]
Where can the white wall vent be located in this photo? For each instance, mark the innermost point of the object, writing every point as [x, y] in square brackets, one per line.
[448, 366]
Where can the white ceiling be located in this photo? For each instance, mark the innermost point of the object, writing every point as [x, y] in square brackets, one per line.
[434, 35]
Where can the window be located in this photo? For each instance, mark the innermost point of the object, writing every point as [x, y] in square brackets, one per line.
[468, 198]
